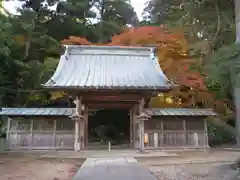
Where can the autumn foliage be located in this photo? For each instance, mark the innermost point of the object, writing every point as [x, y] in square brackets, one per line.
[172, 52]
[73, 40]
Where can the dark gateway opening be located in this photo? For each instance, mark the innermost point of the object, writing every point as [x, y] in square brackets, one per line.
[106, 126]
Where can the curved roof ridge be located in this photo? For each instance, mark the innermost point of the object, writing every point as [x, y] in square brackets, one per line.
[110, 47]
[157, 64]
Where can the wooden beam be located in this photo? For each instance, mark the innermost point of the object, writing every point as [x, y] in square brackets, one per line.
[110, 106]
[110, 93]
[130, 97]
[109, 103]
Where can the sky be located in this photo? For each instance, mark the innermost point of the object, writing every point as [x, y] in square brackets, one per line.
[137, 4]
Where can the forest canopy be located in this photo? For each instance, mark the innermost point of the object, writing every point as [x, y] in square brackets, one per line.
[194, 41]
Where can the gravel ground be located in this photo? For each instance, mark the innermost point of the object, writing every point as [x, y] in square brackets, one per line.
[208, 171]
[30, 168]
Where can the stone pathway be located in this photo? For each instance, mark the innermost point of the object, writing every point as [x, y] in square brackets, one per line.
[123, 168]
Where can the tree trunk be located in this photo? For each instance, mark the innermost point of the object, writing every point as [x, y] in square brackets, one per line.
[237, 89]
[27, 47]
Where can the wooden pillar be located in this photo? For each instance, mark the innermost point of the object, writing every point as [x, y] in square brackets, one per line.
[31, 134]
[131, 127]
[76, 144]
[141, 135]
[206, 145]
[141, 126]
[78, 118]
[8, 133]
[135, 128]
[162, 135]
[140, 107]
[78, 105]
[155, 140]
[85, 126]
[184, 133]
[54, 133]
[82, 133]
[81, 125]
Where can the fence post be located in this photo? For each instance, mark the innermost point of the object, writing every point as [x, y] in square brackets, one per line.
[109, 146]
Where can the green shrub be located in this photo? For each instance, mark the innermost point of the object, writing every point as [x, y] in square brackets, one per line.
[3, 144]
[217, 135]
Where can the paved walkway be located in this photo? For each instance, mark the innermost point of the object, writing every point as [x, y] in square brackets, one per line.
[123, 168]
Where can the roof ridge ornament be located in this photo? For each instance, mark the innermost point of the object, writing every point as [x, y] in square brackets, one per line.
[170, 82]
[52, 81]
[66, 53]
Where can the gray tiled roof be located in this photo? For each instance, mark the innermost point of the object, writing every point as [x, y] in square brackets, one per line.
[179, 112]
[37, 111]
[71, 111]
[108, 67]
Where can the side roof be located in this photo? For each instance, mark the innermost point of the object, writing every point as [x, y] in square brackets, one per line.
[71, 111]
[179, 112]
[108, 67]
[37, 111]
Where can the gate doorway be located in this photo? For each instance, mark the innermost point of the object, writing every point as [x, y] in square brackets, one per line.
[106, 126]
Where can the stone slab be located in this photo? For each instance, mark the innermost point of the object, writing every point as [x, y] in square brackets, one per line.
[113, 168]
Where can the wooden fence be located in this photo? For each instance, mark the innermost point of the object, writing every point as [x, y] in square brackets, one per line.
[41, 134]
[175, 139]
[63, 140]
[176, 133]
